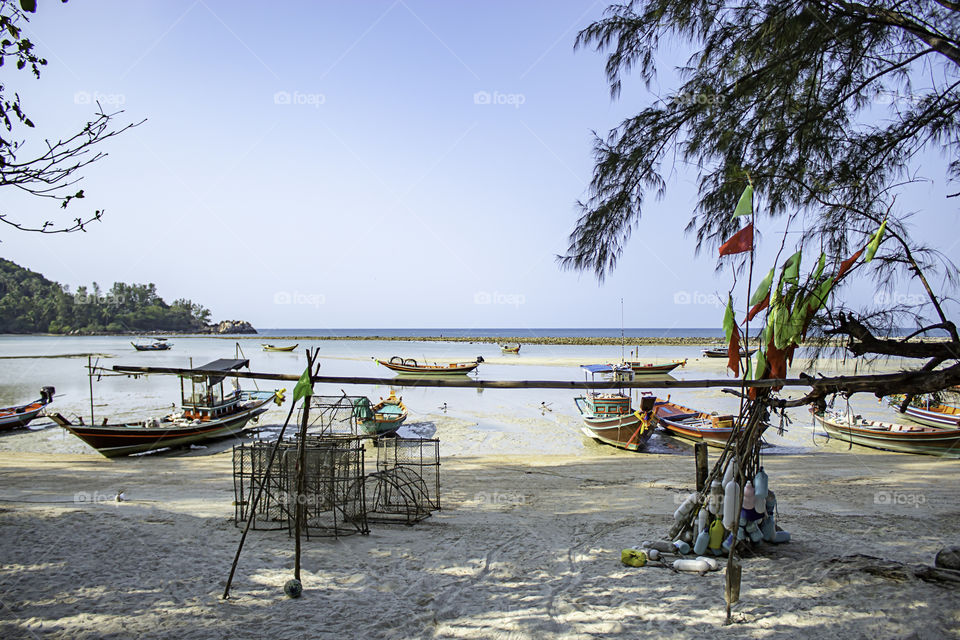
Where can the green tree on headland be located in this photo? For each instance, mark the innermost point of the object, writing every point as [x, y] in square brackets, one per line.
[823, 106]
[29, 303]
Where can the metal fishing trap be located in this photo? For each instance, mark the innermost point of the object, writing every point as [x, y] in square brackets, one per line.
[406, 485]
[333, 485]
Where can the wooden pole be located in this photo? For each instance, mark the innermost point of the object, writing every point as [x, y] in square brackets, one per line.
[700, 453]
[90, 380]
[301, 460]
[889, 382]
[256, 502]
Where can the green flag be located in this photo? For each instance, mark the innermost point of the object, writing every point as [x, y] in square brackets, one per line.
[304, 386]
[791, 269]
[762, 289]
[875, 242]
[729, 320]
[745, 205]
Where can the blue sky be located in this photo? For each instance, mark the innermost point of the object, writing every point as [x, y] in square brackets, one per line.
[370, 164]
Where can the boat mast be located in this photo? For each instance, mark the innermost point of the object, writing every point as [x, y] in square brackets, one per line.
[622, 359]
[90, 380]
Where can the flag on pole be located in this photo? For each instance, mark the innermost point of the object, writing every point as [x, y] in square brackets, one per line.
[304, 386]
[740, 241]
[745, 204]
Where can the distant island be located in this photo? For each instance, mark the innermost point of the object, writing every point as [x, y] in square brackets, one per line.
[30, 303]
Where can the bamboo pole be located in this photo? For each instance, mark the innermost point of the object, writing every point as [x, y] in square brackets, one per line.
[837, 384]
[255, 503]
[301, 460]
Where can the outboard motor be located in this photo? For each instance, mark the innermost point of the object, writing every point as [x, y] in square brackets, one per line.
[479, 358]
[46, 394]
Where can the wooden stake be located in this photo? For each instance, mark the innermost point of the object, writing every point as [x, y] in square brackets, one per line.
[700, 453]
[301, 460]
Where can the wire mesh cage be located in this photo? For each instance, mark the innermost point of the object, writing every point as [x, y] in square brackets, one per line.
[406, 485]
[333, 415]
[332, 496]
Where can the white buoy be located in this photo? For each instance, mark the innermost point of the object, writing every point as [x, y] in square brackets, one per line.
[749, 496]
[714, 565]
[685, 508]
[728, 475]
[730, 497]
[716, 498]
[698, 566]
[703, 520]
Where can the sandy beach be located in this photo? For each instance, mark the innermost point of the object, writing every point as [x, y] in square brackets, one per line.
[525, 547]
[527, 544]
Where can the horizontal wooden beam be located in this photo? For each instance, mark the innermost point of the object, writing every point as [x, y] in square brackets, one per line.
[888, 383]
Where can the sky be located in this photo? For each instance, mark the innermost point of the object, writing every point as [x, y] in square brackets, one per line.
[362, 164]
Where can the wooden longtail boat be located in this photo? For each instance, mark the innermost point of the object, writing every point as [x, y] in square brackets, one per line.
[609, 418]
[160, 344]
[931, 415]
[510, 348]
[21, 415]
[890, 436]
[409, 366]
[694, 425]
[270, 347]
[722, 352]
[643, 369]
[207, 414]
[381, 419]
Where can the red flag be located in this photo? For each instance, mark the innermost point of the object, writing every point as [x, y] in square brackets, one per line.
[733, 352]
[740, 241]
[846, 264]
[757, 308]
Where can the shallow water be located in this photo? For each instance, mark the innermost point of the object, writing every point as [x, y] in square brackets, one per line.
[467, 421]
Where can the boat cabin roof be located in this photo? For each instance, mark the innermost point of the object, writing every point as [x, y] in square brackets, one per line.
[218, 366]
[597, 368]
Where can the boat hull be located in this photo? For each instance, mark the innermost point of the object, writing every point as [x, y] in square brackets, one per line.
[895, 437]
[624, 431]
[691, 425]
[723, 353]
[641, 369]
[931, 418]
[268, 347]
[18, 417]
[124, 440]
[383, 427]
[427, 370]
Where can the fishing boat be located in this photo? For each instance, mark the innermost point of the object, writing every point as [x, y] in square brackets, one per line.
[890, 436]
[645, 369]
[381, 419]
[723, 352]
[930, 414]
[271, 347]
[207, 413]
[609, 418]
[510, 348]
[158, 344]
[409, 366]
[21, 415]
[690, 424]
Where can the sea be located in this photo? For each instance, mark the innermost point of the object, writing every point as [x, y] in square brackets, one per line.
[468, 422]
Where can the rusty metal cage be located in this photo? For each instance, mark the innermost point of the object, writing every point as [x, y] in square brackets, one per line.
[406, 486]
[333, 495]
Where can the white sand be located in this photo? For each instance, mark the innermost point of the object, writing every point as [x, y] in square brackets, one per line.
[525, 547]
